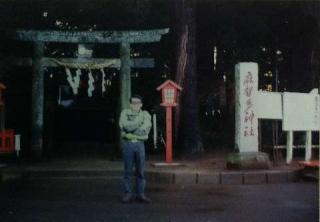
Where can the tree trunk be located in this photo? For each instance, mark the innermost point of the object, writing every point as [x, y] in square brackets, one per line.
[187, 132]
[305, 56]
[313, 9]
[315, 57]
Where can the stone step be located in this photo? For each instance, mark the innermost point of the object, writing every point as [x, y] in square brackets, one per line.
[180, 178]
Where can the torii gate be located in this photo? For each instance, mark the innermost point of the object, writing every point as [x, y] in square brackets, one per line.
[39, 38]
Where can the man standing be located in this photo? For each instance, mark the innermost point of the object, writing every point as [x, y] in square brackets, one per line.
[135, 125]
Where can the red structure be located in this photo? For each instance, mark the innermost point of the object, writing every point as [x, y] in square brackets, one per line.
[7, 141]
[6, 136]
[2, 88]
[169, 92]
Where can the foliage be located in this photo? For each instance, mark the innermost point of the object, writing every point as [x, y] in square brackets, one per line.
[84, 14]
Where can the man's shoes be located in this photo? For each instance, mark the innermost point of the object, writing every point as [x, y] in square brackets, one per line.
[143, 199]
[127, 198]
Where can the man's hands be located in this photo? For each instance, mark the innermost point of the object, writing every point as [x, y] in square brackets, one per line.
[130, 136]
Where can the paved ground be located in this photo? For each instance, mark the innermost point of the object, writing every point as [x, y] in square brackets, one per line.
[211, 169]
[210, 162]
[97, 199]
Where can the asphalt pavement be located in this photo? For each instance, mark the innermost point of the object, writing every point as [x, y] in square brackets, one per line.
[92, 199]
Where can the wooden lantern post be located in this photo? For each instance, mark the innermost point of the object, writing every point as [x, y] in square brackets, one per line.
[2, 112]
[169, 92]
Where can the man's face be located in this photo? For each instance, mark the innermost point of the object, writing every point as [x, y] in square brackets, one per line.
[135, 104]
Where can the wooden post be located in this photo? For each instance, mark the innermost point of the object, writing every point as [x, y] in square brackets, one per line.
[308, 153]
[2, 108]
[289, 146]
[37, 101]
[155, 134]
[2, 116]
[169, 93]
[168, 134]
[125, 75]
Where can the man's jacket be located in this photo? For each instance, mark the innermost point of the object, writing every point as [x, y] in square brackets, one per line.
[135, 126]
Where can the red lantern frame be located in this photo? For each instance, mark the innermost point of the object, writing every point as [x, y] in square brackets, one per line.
[169, 85]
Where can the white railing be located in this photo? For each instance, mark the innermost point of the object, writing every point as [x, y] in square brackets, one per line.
[290, 146]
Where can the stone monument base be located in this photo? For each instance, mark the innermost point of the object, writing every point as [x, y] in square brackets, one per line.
[167, 164]
[248, 161]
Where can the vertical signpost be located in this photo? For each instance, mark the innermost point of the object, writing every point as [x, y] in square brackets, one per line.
[169, 92]
[246, 120]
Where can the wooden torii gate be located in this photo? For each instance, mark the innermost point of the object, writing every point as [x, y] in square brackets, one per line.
[38, 61]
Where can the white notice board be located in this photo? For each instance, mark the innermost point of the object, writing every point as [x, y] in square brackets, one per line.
[268, 105]
[301, 112]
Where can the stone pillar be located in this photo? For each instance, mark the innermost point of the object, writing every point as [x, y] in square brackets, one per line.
[246, 119]
[247, 154]
[37, 100]
[125, 85]
[125, 75]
